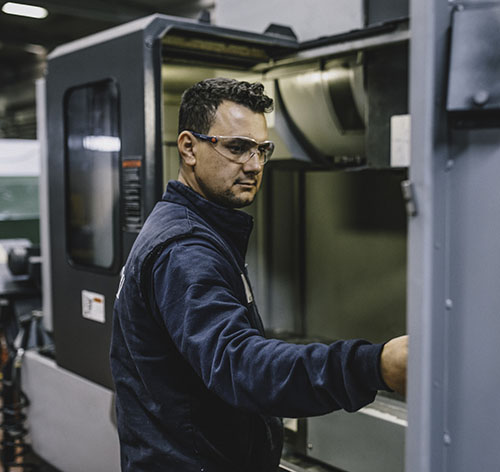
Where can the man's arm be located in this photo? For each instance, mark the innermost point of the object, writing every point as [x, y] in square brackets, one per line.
[393, 361]
[209, 326]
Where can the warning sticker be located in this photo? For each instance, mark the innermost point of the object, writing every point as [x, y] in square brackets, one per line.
[93, 306]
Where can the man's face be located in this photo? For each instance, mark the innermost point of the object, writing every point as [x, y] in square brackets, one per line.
[218, 179]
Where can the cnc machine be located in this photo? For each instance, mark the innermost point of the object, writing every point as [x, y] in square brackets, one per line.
[328, 257]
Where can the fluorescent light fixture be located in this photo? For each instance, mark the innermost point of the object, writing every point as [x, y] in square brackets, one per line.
[102, 143]
[21, 9]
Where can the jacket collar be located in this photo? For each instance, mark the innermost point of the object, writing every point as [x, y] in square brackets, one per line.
[233, 225]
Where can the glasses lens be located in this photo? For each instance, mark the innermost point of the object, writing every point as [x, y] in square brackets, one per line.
[266, 150]
[235, 148]
[241, 149]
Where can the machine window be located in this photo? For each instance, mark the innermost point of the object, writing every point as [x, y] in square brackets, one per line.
[93, 147]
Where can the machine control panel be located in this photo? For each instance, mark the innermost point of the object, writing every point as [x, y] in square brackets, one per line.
[131, 193]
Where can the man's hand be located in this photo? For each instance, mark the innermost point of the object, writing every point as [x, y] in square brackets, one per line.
[393, 361]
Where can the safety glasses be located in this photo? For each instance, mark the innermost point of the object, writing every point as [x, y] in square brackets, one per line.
[239, 149]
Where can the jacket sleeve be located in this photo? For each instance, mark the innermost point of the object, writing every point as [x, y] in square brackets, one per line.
[209, 326]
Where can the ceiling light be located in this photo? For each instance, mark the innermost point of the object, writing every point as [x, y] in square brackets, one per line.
[24, 10]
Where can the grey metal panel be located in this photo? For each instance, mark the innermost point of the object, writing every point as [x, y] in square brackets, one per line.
[454, 271]
[70, 418]
[426, 256]
[473, 349]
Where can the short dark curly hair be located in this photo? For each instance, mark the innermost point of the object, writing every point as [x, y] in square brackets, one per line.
[200, 102]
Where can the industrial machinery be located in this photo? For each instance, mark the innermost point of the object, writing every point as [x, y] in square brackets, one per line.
[111, 115]
[328, 257]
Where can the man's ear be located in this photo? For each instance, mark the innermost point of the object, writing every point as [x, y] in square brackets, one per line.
[186, 145]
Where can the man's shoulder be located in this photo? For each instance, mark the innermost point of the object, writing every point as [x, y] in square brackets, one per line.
[174, 231]
[167, 221]
[196, 250]
[168, 214]
[194, 260]
[173, 221]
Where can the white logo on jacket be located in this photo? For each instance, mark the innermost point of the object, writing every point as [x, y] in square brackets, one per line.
[248, 291]
[122, 280]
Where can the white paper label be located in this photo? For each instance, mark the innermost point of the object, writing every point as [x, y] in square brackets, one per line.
[93, 306]
[400, 140]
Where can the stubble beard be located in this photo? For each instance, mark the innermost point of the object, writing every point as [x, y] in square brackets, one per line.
[228, 199]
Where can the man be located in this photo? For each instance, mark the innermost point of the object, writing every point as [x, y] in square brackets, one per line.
[198, 386]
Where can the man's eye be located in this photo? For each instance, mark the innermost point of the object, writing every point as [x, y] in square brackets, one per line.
[238, 147]
[235, 149]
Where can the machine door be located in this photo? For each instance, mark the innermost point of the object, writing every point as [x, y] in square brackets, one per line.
[88, 96]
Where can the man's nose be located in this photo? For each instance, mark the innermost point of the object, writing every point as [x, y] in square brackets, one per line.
[253, 164]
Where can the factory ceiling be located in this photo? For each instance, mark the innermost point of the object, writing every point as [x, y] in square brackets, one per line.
[25, 42]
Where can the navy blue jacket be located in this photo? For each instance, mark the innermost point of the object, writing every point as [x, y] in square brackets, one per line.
[198, 386]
